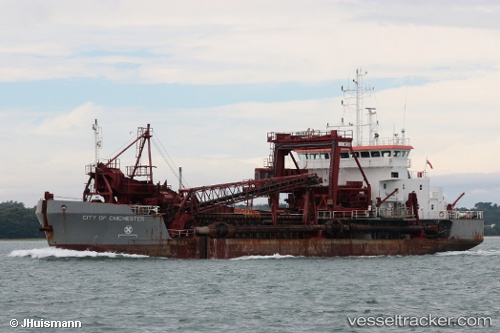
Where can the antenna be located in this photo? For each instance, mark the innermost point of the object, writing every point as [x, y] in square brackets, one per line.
[97, 139]
[180, 178]
[404, 110]
[372, 126]
[358, 91]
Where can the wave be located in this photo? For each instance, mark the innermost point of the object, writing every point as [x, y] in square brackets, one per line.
[485, 253]
[52, 252]
[273, 256]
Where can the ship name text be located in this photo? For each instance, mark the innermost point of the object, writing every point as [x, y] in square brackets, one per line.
[126, 218]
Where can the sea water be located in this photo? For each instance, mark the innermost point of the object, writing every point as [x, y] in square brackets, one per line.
[109, 292]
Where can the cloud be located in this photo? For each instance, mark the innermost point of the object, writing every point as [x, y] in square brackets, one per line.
[478, 187]
[451, 122]
[69, 124]
[441, 60]
[198, 42]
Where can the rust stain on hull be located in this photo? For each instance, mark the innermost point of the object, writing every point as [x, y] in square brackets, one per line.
[211, 248]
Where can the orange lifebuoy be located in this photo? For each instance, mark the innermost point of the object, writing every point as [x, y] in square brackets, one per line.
[441, 214]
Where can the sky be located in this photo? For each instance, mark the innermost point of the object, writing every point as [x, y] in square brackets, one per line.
[214, 77]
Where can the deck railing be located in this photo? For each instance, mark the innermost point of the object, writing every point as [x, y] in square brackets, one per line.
[362, 213]
[463, 215]
[174, 233]
[358, 214]
[145, 209]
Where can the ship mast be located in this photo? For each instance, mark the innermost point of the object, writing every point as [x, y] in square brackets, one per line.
[107, 181]
[359, 101]
[97, 140]
[359, 90]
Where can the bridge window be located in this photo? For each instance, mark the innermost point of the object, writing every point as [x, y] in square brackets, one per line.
[365, 154]
[375, 154]
[316, 156]
[386, 153]
[397, 153]
[344, 155]
[356, 154]
[394, 175]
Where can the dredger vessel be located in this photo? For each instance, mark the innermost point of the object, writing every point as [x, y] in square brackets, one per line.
[342, 197]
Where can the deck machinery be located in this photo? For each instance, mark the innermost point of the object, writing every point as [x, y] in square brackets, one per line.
[311, 209]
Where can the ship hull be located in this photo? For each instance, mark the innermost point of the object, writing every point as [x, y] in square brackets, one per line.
[105, 227]
[201, 248]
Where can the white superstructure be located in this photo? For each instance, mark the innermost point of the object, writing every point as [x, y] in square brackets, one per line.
[385, 161]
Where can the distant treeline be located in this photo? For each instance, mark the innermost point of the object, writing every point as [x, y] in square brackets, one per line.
[491, 217]
[17, 221]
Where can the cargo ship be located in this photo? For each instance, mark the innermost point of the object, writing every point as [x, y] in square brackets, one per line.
[330, 194]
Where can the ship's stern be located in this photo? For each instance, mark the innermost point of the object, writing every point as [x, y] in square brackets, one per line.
[467, 230]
